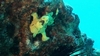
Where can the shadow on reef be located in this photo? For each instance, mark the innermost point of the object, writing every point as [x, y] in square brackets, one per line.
[63, 50]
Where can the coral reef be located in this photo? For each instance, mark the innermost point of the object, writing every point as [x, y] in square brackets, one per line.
[56, 33]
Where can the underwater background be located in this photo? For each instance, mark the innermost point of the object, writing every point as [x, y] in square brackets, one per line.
[49, 28]
[89, 14]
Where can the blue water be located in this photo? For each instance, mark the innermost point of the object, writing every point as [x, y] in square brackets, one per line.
[89, 14]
